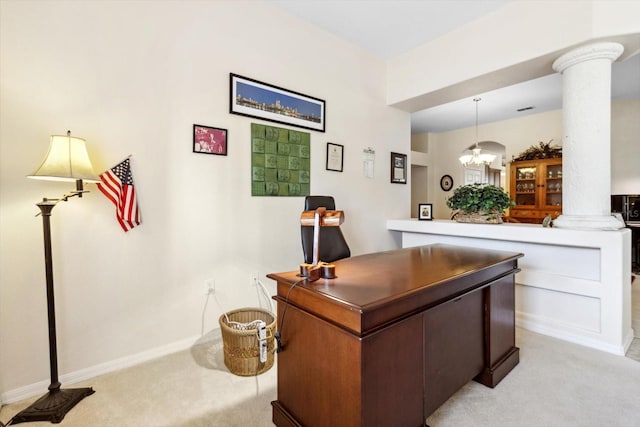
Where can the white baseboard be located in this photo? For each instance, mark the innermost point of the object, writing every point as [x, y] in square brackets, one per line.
[40, 388]
[546, 327]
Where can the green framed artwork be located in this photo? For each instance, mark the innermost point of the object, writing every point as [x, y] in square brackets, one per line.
[280, 161]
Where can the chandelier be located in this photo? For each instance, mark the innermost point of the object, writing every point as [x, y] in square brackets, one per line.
[476, 158]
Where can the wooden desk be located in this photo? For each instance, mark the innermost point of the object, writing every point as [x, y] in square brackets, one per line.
[394, 336]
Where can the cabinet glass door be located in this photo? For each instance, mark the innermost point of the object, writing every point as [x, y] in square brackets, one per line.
[553, 185]
[525, 186]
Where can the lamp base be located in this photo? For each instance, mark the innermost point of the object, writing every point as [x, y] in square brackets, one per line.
[314, 272]
[53, 406]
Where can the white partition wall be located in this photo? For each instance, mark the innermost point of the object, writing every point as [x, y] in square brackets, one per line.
[574, 285]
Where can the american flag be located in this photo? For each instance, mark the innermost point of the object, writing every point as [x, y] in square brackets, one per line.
[117, 184]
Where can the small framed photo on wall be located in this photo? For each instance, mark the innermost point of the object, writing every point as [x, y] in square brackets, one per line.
[424, 211]
[398, 168]
[335, 157]
[210, 140]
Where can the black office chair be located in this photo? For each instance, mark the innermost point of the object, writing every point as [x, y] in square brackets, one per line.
[332, 244]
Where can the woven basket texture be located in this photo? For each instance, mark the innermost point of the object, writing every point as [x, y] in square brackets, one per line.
[478, 218]
[241, 347]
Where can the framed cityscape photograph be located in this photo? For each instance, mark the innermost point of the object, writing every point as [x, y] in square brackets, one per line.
[252, 98]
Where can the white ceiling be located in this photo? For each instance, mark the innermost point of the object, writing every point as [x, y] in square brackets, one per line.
[544, 94]
[387, 28]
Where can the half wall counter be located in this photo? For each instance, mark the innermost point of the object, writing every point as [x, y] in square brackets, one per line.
[574, 285]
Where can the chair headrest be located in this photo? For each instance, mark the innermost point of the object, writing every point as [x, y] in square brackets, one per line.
[312, 203]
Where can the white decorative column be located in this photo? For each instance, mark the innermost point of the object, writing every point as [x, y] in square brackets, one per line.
[586, 146]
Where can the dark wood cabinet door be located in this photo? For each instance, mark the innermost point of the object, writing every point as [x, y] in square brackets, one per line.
[319, 380]
[453, 340]
[501, 353]
[393, 375]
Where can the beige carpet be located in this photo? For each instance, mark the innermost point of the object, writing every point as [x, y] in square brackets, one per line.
[188, 388]
[555, 384]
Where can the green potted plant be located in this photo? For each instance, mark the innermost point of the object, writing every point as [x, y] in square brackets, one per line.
[479, 203]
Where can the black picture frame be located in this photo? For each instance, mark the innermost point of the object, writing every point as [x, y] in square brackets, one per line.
[335, 157]
[253, 98]
[398, 168]
[425, 211]
[210, 140]
[446, 182]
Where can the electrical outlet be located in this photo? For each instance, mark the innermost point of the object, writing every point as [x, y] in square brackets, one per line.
[209, 286]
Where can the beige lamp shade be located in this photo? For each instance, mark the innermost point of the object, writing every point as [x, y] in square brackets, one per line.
[67, 160]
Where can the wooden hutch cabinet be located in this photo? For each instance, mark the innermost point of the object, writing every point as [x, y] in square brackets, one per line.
[536, 187]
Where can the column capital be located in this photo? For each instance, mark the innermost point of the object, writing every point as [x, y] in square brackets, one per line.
[604, 50]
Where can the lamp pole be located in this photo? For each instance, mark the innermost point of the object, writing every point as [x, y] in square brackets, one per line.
[46, 207]
[54, 405]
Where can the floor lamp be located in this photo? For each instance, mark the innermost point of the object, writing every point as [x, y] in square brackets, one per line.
[67, 160]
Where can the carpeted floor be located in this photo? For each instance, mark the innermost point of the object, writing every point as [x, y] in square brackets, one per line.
[634, 350]
[556, 384]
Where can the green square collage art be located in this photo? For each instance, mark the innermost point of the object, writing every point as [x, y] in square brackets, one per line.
[280, 161]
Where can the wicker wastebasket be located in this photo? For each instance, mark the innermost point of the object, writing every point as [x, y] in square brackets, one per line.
[240, 340]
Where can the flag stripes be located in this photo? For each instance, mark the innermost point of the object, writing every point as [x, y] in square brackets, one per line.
[117, 185]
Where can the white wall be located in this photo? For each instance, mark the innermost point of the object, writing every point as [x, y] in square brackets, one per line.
[132, 78]
[420, 171]
[625, 146]
[519, 134]
[497, 50]
[506, 47]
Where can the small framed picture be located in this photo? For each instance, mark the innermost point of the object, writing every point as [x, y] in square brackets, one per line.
[335, 157]
[446, 182]
[424, 211]
[398, 168]
[210, 140]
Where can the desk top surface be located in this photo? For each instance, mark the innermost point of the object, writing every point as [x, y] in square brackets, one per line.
[367, 282]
